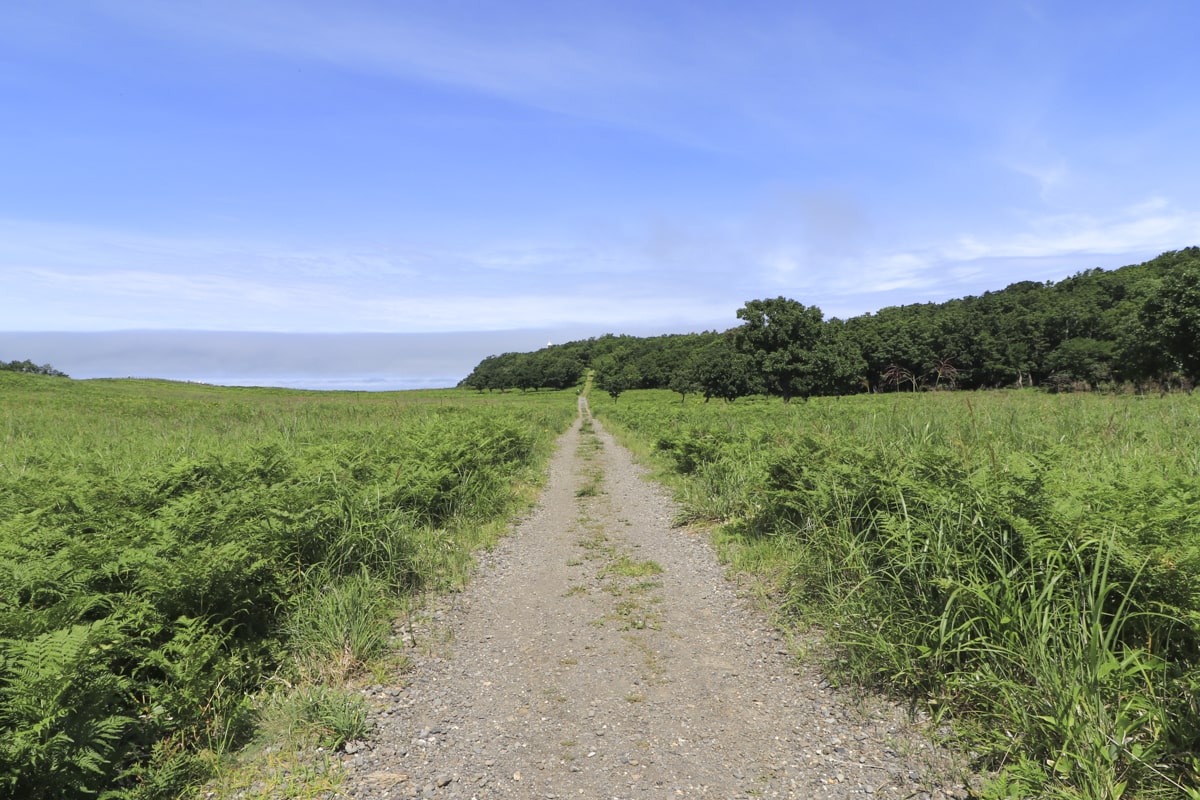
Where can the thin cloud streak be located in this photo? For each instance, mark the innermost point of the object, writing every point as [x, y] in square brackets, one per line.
[622, 67]
[113, 281]
[568, 65]
[1047, 249]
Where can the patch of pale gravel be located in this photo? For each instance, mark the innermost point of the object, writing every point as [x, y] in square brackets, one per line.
[554, 675]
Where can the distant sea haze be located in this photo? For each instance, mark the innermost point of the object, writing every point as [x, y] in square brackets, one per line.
[325, 361]
[336, 384]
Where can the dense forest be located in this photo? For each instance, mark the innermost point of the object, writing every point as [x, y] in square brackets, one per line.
[1136, 326]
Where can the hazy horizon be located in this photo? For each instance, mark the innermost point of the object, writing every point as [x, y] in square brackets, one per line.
[326, 361]
[322, 361]
[431, 168]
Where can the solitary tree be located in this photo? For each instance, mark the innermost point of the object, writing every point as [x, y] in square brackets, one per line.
[685, 379]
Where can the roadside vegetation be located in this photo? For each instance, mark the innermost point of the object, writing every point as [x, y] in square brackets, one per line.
[1024, 566]
[182, 566]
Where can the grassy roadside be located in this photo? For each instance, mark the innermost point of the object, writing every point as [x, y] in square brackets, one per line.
[186, 567]
[1024, 566]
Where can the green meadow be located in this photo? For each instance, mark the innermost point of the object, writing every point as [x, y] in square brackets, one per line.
[1023, 566]
[184, 568]
[180, 563]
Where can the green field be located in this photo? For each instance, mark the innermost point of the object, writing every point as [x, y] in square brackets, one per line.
[184, 566]
[1024, 566]
[178, 562]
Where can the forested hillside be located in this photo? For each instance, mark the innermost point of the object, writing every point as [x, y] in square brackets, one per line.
[1137, 325]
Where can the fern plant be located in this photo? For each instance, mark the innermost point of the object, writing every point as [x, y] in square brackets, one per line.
[57, 695]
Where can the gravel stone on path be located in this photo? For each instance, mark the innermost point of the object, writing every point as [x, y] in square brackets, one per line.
[600, 652]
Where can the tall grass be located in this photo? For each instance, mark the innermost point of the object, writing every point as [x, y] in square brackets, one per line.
[1026, 566]
[166, 547]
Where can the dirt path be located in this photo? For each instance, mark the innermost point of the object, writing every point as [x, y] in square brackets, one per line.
[601, 653]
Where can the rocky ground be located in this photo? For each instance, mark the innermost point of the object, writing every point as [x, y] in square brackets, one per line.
[602, 653]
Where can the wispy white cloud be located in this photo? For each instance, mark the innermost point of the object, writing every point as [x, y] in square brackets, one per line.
[562, 62]
[1154, 224]
[1045, 248]
[72, 278]
[659, 70]
[91, 247]
[114, 298]
[676, 271]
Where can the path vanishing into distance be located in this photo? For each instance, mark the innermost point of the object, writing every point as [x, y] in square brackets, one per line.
[600, 652]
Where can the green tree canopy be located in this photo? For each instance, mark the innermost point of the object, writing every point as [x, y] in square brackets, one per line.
[1135, 324]
[614, 375]
[724, 372]
[780, 335]
[31, 368]
[1172, 315]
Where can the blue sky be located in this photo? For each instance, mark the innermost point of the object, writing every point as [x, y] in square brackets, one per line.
[642, 167]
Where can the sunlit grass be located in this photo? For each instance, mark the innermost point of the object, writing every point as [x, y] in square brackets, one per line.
[166, 549]
[1022, 564]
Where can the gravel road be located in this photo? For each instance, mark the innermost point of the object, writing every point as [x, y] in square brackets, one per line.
[600, 652]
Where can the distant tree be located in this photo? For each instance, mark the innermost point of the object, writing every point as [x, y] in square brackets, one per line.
[654, 360]
[1080, 361]
[681, 362]
[780, 335]
[1172, 315]
[558, 370]
[614, 376]
[526, 373]
[494, 373]
[31, 368]
[685, 379]
[724, 372]
[836, 365]
[1021, 318]
[895, 338]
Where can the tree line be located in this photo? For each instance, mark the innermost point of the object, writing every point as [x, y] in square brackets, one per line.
[31, 368]
[1138, 325]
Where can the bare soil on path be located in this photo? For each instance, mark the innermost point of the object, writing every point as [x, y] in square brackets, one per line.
[600, 652]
